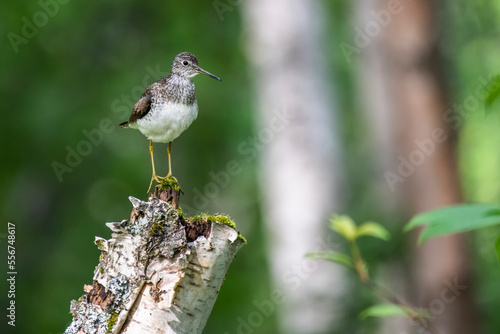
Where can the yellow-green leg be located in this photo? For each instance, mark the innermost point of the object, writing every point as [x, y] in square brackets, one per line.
[169, 175]
[169, 149]
[154, 177]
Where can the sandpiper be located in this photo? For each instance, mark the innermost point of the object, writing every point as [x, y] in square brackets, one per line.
[168, 107]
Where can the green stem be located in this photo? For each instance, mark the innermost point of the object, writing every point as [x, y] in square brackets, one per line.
[364, 277]
[359, 264]
[396, 300]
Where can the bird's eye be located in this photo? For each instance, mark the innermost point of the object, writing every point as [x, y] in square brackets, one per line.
[185, 63]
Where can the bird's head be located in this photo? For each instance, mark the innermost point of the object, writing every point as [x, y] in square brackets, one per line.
[185, 64]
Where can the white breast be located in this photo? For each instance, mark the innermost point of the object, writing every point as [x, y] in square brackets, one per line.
[166, 121]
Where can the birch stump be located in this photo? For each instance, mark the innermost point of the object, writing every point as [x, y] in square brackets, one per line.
[158, 273]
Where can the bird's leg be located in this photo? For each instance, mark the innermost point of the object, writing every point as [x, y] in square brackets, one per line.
[169, 175]
[154, 177]
[161, 179]
[169, 149]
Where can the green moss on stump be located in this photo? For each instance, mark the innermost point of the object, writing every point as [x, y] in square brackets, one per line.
[100, 244]
[111, 322]
[179, 212]
[226, 220]
[156, 228]
[169, 182]
[242, 238]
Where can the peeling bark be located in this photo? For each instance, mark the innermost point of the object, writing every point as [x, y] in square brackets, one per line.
[157, 274]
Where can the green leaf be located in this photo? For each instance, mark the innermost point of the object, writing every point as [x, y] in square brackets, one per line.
[384, 310]
[344, 226]
[335, 257]
[455, 219]
[493, 91]
[497, 247]
[373, 230]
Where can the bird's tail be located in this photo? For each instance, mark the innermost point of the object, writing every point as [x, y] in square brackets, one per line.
[123, 125]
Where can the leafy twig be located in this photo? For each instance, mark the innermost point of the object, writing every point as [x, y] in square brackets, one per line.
[348, 229]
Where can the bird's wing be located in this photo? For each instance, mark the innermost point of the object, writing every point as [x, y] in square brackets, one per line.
[141, 109]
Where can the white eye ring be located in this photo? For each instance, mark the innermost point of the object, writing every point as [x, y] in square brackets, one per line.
[185, 63]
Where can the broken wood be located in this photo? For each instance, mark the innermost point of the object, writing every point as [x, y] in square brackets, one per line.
[168, 191]
[159, 273]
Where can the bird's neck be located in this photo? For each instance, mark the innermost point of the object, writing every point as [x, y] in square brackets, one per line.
[180, 79]
[179, 89]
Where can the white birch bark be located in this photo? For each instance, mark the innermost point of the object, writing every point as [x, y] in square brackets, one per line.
[152, 278]
[300, 168]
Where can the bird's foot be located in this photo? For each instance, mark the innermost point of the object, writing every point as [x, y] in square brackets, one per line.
[164, 182]
[170, 178]
[158, 179]
[150, 184]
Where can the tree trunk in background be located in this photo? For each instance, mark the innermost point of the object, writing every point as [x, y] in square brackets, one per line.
[300, 163]
[406, 91]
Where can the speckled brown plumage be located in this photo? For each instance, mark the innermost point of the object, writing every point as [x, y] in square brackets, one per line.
[168, 107]
[175, 88]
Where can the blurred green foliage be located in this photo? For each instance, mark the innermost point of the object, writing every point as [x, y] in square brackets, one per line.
[455, 219]
[91, 60]
[87, 65]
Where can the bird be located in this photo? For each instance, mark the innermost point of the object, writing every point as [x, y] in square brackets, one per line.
[168, 107]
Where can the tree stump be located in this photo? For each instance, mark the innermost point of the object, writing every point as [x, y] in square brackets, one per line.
[159, 273]
[168, 191]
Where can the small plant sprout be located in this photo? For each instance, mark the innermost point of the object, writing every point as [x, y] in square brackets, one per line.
[348, 229]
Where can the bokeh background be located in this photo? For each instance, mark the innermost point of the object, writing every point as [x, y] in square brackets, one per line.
[72, 69]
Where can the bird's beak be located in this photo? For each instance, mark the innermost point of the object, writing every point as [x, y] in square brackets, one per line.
[202, 71]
